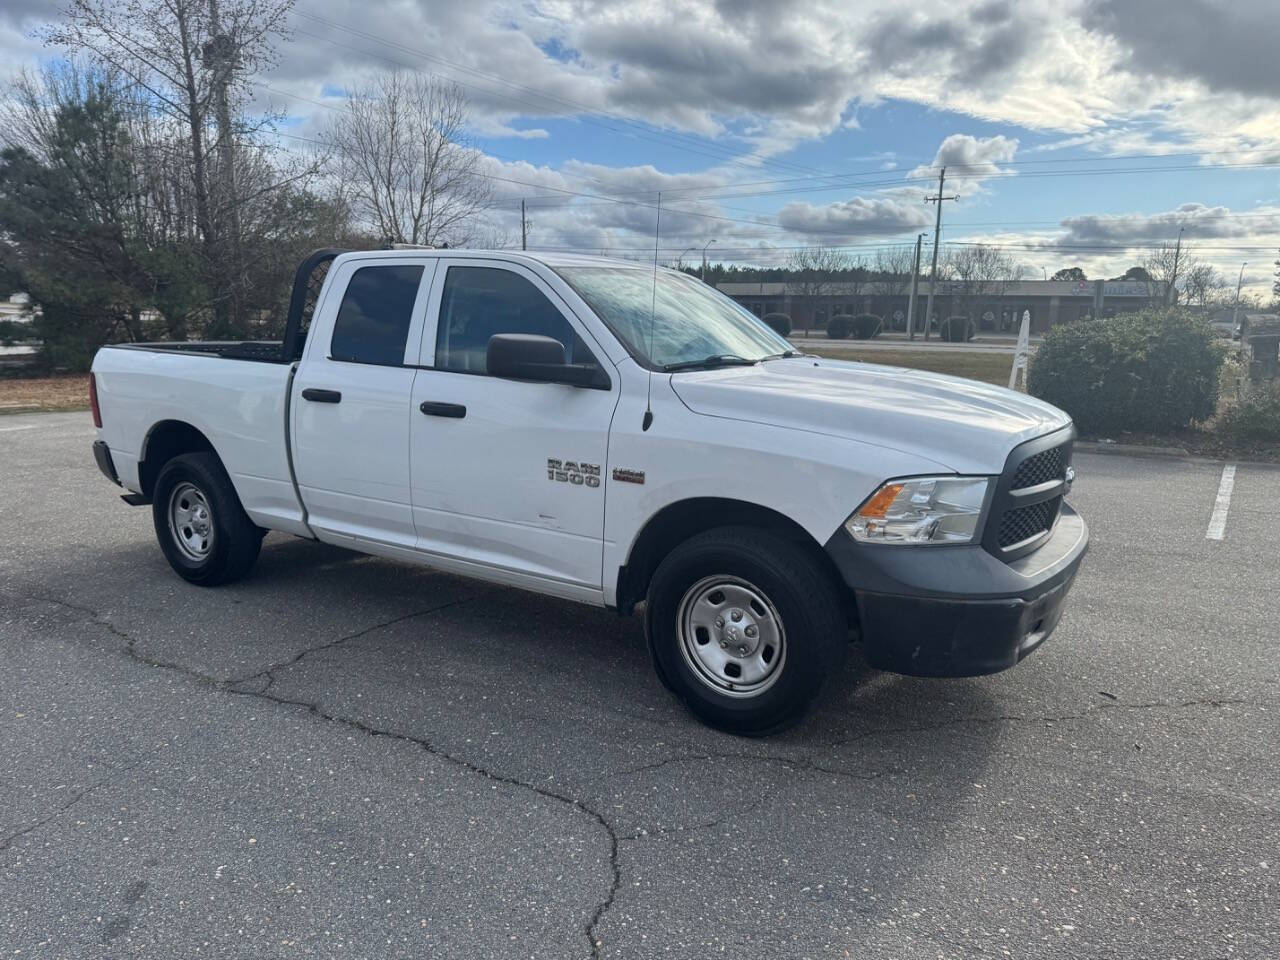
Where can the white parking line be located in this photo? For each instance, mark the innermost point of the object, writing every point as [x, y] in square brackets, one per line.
[1218, 521]
[30, 426]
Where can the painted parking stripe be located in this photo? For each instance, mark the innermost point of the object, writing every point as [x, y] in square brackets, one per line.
[1218, 521]
[30, 426]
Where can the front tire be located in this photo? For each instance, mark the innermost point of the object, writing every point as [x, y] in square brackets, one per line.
[744, 627]
[203, 530]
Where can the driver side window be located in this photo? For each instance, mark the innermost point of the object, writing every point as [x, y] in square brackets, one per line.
[480, 302]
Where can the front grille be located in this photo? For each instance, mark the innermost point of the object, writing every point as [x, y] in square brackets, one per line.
[1024, 523]
[1028, 495]
[1038, 469]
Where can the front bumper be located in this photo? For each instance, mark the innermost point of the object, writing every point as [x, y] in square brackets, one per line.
[956, 611]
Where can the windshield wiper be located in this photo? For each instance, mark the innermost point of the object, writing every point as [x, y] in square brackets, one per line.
[707, 363]
[785, 355]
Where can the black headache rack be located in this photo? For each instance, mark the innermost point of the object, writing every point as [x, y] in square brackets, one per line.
[1028, 496]
[307, 281]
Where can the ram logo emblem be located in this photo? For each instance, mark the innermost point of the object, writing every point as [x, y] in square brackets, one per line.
[575, 472]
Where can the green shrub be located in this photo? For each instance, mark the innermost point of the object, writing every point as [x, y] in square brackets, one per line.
[11, 330]
[839, 326]
[866, 325]
[1255, 418]
[1151, 371]
[957, 329]
[780, 322]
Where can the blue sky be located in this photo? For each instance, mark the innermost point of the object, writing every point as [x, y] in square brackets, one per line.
[1079, 132]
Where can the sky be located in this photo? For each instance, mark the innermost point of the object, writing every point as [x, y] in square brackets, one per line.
[1074, 132]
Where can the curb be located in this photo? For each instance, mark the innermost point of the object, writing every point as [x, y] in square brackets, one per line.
[1168, 453]
[1132, 449]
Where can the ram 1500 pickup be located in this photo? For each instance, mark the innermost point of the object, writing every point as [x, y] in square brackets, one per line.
[609, 433]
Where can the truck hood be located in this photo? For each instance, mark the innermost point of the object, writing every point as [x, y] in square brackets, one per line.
[967, 426]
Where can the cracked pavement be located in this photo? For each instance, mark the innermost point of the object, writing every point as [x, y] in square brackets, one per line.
[343, 756]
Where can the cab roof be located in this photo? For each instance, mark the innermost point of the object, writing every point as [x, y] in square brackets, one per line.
[550, 258]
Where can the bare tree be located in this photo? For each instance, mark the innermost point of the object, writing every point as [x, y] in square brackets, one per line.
[125, 218]
[403, 152]
[893, 273]
[983, 274]
[1168, 265]
[193, 59]
[813, 272]
[1202, 283]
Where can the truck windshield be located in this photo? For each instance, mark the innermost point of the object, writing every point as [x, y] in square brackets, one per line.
[692, 325]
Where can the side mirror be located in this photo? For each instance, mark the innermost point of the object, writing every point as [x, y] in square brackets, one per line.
[527, 356]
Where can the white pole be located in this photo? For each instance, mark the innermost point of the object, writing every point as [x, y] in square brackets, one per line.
[1021, 354]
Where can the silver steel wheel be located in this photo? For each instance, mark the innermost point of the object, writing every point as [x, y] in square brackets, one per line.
[191, 521]
[731, 636]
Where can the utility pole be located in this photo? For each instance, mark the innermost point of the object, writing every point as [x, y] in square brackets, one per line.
[1172, 292]
[937, 233]
[220, 57]
[524, 234]
[915, 288]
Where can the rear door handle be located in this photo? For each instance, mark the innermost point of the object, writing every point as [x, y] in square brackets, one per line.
[432, 409]
[321, 396]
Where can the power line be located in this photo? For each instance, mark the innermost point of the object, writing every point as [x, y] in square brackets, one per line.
[758, 223]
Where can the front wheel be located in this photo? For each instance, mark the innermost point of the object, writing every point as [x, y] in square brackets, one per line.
[203, 530]
[744, 627]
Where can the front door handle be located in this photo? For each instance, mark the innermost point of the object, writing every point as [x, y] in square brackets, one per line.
[432, 409]
[321, 396]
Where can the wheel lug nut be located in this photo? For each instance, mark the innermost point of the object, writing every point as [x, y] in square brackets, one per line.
[751, 631]
[742, 649]
[736, 615]
[724, 644]
[719, 623]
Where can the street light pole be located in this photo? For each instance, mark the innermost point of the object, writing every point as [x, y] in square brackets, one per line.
[680, 259]
[704, 258]
[1235, 311]
[1172, 292]
[915, 288]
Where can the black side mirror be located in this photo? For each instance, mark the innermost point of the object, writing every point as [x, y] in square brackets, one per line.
[527, 356]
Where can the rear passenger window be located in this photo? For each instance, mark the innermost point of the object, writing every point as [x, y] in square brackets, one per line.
[373, 320]
[479, 302]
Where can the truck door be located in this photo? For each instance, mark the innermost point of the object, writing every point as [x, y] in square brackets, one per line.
[351, 400]
[508, 473]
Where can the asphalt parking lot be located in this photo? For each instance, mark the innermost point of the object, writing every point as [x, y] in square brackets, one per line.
[346, 757]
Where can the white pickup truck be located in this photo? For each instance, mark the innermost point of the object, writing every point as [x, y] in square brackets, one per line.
[605, 432]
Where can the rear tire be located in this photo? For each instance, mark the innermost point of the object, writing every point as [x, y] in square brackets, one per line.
[203, 530]
[744, 627]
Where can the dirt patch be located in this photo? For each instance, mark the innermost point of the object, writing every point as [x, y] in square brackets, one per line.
[68, 391]
[1207, 442]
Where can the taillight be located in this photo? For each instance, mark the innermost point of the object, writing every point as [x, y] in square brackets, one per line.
[93, 401]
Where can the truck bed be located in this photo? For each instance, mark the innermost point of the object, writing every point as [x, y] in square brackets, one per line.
[241, 407]
[264, 351]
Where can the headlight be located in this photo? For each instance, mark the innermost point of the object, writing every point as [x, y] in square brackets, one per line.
[921, 510]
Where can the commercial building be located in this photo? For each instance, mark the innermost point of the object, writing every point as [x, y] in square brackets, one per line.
[995, 306]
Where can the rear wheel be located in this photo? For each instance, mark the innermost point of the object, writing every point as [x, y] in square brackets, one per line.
[744, 627]
[203, 530]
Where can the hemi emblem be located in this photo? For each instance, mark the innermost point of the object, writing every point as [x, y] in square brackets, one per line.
[628, 476]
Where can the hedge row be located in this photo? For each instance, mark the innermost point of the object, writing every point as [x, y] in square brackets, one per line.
[862, 326]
